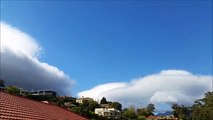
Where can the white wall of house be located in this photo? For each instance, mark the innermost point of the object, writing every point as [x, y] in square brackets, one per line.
[107, 112]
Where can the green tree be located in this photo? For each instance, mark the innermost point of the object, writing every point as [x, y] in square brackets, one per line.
[150, 107]
[116, 105]
[90, 105]
[143, 112]
[203, 108]
[176, 110]
[1, 83]
[182, 112]
[141, 117]
[146, 111]
[69, 99]
[86, 109]
[13, 90]
[103, 101]
[130, 113]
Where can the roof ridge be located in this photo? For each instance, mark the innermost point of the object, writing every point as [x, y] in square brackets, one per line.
[52, 106]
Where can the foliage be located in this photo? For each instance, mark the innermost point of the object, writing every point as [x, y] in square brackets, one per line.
[143, 112]
[13, 90]
[150, 108]
[87, 109]
[140, 114]
[103, 101]
[146, 111]
[90, 105]
[130, 113]
[69, 99]
[141, 117]
[182, 112]
[61, 100]
[116, 105]
[203, 108]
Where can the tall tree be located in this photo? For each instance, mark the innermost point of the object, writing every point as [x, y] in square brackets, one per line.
[203, 108]
[182, 112]
[143, 112]
[129, 113]
[150, 107]
[116, 105]
[103, 101]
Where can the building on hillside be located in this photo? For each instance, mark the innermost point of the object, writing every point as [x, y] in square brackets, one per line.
[69, 104]
[19, 108]
[82, 99]
[108, 112]
[23, 92]
[33, 92]
[170, 117]
[105, 106]
[43, 92]
[151, 117]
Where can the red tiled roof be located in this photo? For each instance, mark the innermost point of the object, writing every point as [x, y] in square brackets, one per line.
[18, 108]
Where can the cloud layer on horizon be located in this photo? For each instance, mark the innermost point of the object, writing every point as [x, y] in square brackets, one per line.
[162, 89]
[20, 63]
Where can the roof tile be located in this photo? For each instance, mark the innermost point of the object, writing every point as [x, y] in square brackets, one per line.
[19, 108]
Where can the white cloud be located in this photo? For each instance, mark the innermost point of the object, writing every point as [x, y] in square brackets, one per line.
[166, 87]
[20, 64]
[101, 89]
[18, 41]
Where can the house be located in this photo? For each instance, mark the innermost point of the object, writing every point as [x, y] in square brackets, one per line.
[81, 100]
[19, 108]
[151, 117]
[105, 106]
[69, 104]
[23, 92]
[170, 117]
[108, 112]
[42, 92]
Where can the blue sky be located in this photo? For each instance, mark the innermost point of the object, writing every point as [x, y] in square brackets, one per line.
[100, 42]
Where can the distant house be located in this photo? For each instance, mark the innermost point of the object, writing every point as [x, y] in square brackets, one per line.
[170, 117]
[23, 92]
[151, 117]
[43, 92]
[81, 100]
[108, 112]
[105, 106]
[69, 104]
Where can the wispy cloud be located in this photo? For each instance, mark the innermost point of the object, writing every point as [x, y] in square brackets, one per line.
[164, 88]
[20, 64]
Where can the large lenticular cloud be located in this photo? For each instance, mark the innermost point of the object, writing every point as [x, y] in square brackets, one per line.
[162, 89]
[20, 65]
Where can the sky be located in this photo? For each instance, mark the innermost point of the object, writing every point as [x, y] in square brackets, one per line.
[99, 48]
